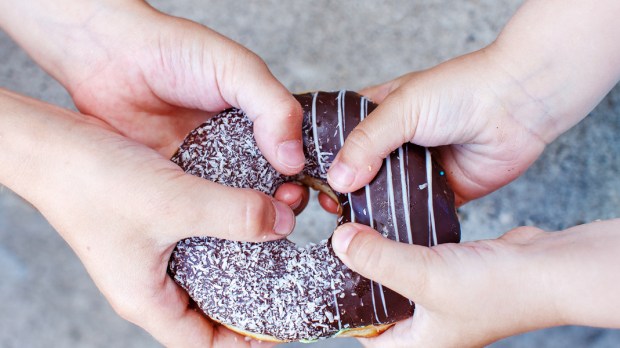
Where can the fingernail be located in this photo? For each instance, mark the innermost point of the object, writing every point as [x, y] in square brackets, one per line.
[341, 175]
[285, 219]
[290, 154]
[297, 203]
[342, 238]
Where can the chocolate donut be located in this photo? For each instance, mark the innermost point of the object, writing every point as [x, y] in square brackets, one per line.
[278, 291]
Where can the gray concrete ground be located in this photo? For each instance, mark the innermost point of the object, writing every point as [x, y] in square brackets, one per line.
[46, 297]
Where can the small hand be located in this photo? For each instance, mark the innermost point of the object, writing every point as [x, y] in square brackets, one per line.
[475, 293]
[479, 138]
[466, 295]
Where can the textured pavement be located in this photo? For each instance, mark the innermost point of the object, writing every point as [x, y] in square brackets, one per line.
[46, 297]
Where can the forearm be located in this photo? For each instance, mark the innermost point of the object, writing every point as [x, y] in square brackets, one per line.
[562, 56]
[537, 280]
[41, 147]
[66, 37]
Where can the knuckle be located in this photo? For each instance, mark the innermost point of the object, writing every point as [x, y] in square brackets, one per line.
[523, 234]
[257, 213]
[420, 283]
[125, 308]
[406, 113]
[359, 142]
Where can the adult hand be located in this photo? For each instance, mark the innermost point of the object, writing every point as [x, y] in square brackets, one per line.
[122, 207]
[474, 293]
[155, 77]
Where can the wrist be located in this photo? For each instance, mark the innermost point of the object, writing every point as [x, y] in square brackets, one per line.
[38, 143]
[580, 267]
[557, 61]
[70, 38]
[523, 285]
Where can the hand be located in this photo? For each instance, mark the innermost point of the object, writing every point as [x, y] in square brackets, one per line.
[155, 77]
[472, 294]
[453, 103]
[491, 113]
[122, 207]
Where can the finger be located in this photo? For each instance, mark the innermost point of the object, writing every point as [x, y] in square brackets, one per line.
[378, 93]
[390, 125]
[174, 323]
[168, 317]
[198, 207]
[401, 267]
[276, 114]
[205, 70]
[328, 203]
[294, 195]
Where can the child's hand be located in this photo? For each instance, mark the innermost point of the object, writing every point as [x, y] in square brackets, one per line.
[491, 112]
[472, 294]
[453, 103]
[122, 207]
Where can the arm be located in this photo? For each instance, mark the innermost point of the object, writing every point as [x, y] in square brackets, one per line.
[475, 293]
[122, 207]
[551, 65]
[139, 69]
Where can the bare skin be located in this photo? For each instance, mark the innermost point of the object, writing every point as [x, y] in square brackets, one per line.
[489, 115]
[142, 80]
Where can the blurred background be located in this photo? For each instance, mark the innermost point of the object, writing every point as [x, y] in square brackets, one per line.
[46, 297]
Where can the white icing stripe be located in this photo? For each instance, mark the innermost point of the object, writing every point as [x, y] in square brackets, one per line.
[390, 189]
[341, 96]
[369, 205]
[351, 206]
[363, 108]
[336, 305]
[315, 133]
[431, 209]
[407, 172]
[341, 126]
[383, 300]
[374, 305]
[405, 193]
[363, 114]
[372, 224]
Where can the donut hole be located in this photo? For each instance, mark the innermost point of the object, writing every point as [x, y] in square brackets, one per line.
[313, 224]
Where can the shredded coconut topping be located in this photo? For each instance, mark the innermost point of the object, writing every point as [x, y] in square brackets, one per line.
[272, 288]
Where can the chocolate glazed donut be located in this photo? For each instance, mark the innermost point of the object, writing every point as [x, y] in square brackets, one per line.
[277, 291]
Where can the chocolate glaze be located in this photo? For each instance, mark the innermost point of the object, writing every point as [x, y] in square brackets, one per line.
[325, 297]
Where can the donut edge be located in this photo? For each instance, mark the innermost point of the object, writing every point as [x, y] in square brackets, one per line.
[365, 332]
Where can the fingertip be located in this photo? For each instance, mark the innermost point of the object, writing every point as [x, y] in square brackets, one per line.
[277, 129]
[284, 219]
[294, 195]
[344, 177]
[290, 156]
[341, 176]
[328, 203]
[341, 240]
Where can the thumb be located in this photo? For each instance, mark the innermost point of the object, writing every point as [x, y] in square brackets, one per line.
[398, 266]
[203, 208]
[276, 114]
[207, 71]
[390, 125]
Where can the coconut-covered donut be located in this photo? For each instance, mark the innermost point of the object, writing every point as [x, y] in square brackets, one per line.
[278, 291]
